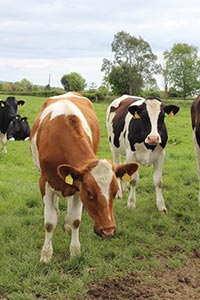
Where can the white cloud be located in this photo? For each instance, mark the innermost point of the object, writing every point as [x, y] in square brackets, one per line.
[56, 37]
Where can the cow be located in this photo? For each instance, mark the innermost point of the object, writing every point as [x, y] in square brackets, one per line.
[136, 129]
[64, 141]
[8, 110]
[195, 119]
[18, 129]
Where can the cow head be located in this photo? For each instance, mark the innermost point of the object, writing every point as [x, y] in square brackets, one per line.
[97, 183]
[16, 123]
[151, 115]
[10, 105]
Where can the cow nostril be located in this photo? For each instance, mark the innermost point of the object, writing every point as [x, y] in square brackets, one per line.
[153, 139]
[108, 231]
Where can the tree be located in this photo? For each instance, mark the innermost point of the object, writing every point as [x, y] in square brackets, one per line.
[73, 82]
[183, 68]
[134, 60]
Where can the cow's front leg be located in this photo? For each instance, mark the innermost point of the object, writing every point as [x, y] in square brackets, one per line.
[72, 222]
[132, 195]
[157, 179]
[3, 141]
[50, 222]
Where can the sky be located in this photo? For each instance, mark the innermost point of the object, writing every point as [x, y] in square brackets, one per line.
[42, 40]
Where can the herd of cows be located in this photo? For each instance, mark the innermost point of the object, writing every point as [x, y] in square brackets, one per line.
[64, 141]
[12, 126]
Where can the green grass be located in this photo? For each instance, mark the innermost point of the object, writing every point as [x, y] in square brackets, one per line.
[144, 235]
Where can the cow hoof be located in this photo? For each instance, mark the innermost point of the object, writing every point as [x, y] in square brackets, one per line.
[46, 256]
[131, 205]
[67, 228]
[119, 194]
[163, 210]
[75, 250]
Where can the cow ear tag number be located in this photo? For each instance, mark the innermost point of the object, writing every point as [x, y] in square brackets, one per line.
[126, 177]
[136, 116]
[171, 114]
[69, 180]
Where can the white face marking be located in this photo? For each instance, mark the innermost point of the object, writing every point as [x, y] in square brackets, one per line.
[103, 175]
[153, 108]
[65, 107]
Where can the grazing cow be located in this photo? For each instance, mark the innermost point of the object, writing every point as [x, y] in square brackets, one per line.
[137, 130]
[64, 140]
[195, 118]
[18, 129]
[8, 110]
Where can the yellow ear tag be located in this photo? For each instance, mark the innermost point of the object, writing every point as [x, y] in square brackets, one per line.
[171, 114]
[2, 104]
[136, 116]
[126, 177]
[69, 180]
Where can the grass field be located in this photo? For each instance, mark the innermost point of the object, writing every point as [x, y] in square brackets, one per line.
[144, 235]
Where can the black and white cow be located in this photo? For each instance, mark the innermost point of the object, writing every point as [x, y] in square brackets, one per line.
[18, 129]
[8, 110]
[137, 130]
[195, 118]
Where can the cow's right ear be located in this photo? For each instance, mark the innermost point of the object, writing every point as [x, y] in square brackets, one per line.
[125, 171]
[2, 103]
[69, 174]
[20, 102]
[135, 110]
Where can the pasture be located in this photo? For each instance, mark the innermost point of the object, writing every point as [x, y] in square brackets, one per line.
[145, 238]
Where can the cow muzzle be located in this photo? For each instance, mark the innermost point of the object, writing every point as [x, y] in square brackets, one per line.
[105, 232]
[153, 139]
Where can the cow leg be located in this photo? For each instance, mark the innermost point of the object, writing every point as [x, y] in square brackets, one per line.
[132, 195]
[3, 141]
[157, 179]
[117, 161]
[197, 153]
[50, 200]
[72, 222]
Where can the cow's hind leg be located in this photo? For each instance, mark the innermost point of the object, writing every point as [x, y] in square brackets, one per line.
[50, 221]
[132, 194]
[157, 179]
[197, 154]
[72, 222]
[117, 161]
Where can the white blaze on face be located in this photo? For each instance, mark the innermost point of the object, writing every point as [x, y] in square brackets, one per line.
[153, 109]
[103, 175]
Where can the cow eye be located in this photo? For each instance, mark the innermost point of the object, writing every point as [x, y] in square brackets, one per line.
[89, 195]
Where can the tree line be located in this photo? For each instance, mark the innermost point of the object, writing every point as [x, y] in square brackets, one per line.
[133, 71]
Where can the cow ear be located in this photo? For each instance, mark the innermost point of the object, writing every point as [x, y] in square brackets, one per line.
[20, 102]
[2, 103]
[135, 110]
[23, 119]
[125, 171]
[171, 109]
[69, 174]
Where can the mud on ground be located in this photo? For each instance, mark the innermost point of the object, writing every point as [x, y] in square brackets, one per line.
[156, 284]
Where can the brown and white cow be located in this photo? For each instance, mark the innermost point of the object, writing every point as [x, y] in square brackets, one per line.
[195, 118]
[137, 130]
[64, 142]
